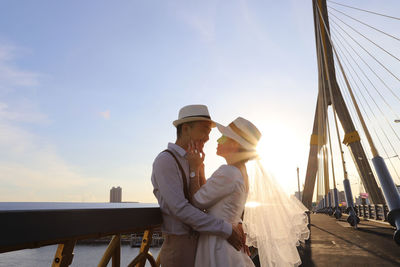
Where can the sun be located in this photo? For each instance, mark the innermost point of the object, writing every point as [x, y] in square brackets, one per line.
[279, 155]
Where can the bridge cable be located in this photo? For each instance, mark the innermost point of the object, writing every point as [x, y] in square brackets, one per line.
[369, 67]
[395, 114]
[370, 141]
[374, 150]
[366, 131]
[334, 114]
[366, 24]
[326, 131]
[323, 168]
[366, 89]
[365, 37]
[357, 119]
[380, 63]
[364, 10]
[357, 122]
[323, 164]
[366, 76]
[373, 114]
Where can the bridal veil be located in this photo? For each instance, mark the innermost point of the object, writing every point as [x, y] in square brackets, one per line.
[274, 222]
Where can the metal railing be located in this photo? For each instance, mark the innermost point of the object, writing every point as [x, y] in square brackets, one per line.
[31, 225]
[377, 212]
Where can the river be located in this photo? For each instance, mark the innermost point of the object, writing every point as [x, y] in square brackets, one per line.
[85, 255]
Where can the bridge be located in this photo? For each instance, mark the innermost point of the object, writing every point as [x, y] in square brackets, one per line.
[353, 92]
[339, 58]
[28, 225]
[332, 243]
[355, 82]
[335, 243]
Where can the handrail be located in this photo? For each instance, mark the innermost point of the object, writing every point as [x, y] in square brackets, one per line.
[378, 212]
[36, 224]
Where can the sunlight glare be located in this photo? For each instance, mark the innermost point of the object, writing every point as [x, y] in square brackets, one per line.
[279, 152]
[252, 204]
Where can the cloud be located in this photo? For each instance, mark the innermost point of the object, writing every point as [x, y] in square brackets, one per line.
[11, 76]
[105, 114]
[31, 168]
[25, 111]
[203, 23]
[13, 85]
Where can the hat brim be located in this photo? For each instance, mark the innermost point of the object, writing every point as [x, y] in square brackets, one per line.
[228, 132]
[190, 119]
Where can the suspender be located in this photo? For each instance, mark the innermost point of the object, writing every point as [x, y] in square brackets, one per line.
[184, 180]
[185, 189]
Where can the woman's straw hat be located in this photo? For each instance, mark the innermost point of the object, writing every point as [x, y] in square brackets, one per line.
[242, 131]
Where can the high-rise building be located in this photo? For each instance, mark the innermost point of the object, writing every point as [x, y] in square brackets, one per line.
[341, 197]
[116, 194]
[363, 199]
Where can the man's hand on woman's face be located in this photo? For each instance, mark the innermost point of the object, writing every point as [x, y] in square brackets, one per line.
[195, 156]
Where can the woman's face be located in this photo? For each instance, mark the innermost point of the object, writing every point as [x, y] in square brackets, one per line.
[226, 146]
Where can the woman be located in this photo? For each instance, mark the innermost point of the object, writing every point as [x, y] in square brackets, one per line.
[224, 195]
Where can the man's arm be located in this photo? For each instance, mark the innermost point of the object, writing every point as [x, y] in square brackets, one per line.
[237, 238]
[170, 187]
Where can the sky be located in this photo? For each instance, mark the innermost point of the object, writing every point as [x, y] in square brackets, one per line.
[89, 89]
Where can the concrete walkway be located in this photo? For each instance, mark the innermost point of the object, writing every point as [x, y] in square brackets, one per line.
[334, 243]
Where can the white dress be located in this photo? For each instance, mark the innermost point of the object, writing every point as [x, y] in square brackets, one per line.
[224, 196]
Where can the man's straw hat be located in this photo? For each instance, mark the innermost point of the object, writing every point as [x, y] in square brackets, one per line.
[193, 113]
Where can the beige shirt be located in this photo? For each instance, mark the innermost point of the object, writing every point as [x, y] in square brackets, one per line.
[177, 212]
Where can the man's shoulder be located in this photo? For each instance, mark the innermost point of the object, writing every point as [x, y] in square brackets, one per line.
[163, 157]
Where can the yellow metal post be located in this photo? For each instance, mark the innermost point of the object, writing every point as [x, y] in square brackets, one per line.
[64, 255]
[144, 248]
[116, 257]
[144, 254]
[158, 260]
[113, 250]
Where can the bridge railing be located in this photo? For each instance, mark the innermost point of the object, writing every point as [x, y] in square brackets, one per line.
[33, 225]
[375, 211]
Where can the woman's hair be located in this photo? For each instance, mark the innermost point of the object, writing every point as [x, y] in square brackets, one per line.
[244, 154]
[251, 152]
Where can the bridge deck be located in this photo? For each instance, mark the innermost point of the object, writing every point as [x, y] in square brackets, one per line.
[334, 243]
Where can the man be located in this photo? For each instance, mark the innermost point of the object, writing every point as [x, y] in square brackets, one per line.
[170, 179]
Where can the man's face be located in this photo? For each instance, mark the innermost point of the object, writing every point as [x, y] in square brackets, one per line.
[199, 132]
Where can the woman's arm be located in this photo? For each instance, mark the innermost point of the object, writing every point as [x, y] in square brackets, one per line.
[222, 183]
